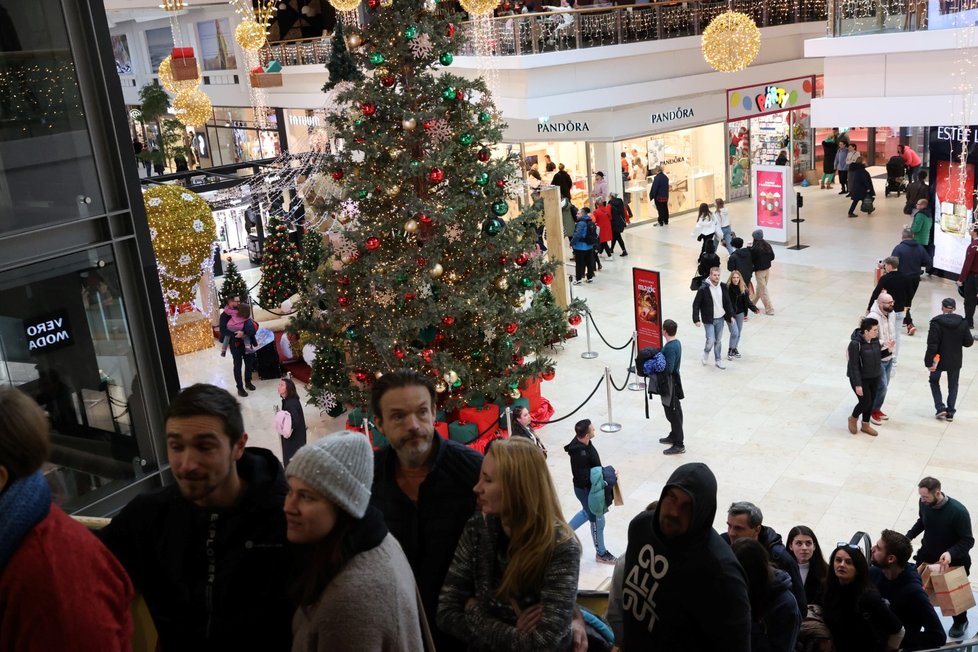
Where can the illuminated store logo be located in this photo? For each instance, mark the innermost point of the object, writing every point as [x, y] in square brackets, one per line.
[48, 333]
[304, 120]
[560, 127]
[680, 113]
[773, 97]
[957, 133]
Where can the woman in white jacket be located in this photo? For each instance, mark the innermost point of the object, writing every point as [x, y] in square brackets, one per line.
[707, 229]
[722, 216]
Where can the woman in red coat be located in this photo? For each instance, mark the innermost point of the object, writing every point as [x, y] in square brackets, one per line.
[602, 217]
[60, 588]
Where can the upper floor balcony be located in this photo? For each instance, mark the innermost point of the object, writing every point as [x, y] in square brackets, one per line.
[564, 29]
[886, 16]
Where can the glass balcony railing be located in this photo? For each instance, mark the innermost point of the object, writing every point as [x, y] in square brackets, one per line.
[559, 29]
[885, 16]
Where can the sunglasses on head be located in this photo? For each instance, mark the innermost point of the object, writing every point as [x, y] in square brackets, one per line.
[849, 546]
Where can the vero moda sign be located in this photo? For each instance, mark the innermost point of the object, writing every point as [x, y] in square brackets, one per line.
[48, 332]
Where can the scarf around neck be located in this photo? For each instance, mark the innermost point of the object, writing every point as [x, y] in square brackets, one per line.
[23, 505]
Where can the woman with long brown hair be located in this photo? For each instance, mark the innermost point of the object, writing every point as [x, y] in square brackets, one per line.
[513, 582]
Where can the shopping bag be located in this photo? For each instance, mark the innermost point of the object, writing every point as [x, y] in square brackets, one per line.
[867, 205]
[616, 490]
[950, 590]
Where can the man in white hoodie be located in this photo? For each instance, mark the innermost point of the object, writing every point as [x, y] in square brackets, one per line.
[882, 311]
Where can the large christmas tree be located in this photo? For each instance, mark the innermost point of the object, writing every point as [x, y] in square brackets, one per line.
[422, 269]
[280, 273]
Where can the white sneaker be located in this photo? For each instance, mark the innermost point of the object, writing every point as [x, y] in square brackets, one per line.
[706, 358]
[720, 365]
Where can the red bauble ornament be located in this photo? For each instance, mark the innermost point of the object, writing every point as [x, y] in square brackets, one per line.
[460, 94]
[450, 30]
[421, 262]
[426, 354]
[512, 327]
[368, 108]
[399, 353]
[522, 259]
[518, 360]
[337, 175]
[408, 296]
[429, 124]
[503, 260]
[436, 175]
[484, 155]
[548, 373]
[575, 320]
[547, 278]
[448, 320]
[360, 139]
[361, 375]
[424, 219]
[372, 243]
[500, 184]
[373, 4]
[343, 280]
[439, 337]
[388, 80]
[344, 302]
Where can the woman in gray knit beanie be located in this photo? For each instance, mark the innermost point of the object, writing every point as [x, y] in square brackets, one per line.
[355, 588]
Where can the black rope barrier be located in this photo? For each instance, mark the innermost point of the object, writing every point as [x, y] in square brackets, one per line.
[623, 385]
[575, 410]
[598, 330]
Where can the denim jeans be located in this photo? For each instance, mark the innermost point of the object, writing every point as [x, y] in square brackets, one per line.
[726, 230]
[714, 337]
[952, 389]
[597, 530]
[736, 328]
[885, 369]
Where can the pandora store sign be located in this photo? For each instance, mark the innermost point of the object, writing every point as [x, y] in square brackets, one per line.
[48, 333]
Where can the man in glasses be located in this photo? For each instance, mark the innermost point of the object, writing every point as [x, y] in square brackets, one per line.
[946, 525]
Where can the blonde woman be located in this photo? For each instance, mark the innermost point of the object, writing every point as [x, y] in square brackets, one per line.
[740, 298]
[513, 582]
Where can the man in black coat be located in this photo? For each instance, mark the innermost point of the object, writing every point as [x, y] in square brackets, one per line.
[422, 484]
[711, 308]
[619, 220]
[913, 256]
[563, 181]
[740, 260]
[948, 336]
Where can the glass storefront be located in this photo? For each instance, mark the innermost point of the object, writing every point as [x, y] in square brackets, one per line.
[572, 155]
[234, 137]
[761, 140]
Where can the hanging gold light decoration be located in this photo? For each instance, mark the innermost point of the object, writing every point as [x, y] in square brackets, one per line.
[182, 231]
[479, 7]
[250, 35]
[731, 41]
[345, 5]
[192, 107]
[175, 85]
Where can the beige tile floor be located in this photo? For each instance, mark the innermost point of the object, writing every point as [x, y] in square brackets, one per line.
[772, 425]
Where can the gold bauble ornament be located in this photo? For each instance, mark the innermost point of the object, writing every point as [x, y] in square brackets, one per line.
[172, 85]
[502, 283]
[441, 387]
[183, 232]
[479, 7]
[411, 226]
[452, 376]
[409, 124]
[515, 393]
[345, 5]
[731, 41]
[193, 107]
[250, 35]
[452, 277]
[436, 271]
[518, 302]
[353, 41]
[393, 190]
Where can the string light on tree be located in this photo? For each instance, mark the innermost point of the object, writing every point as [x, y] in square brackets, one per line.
[731, 41]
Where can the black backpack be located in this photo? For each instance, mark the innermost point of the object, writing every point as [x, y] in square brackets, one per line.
[591, 237]
[643, 356]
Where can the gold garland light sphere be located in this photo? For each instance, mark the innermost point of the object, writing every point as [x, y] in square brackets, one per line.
[731, 41]
[172, 85]
[193, 107]
[182, 231]
[345, 5]
[250, 35]
[479, 7]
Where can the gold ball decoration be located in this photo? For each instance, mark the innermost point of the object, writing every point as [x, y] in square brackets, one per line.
[731, 41]
[345, 5]
[411, 226]
[479, 7]
[353, 41]
[436, 271]
[193, 107]
[172, 85]
[182, 231]
[250, 35]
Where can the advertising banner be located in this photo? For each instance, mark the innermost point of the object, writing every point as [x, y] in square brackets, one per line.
[752, 101]
[648, 308]
[953, 184]
[774, 200]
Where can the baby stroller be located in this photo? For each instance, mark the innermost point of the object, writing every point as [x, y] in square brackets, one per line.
[896, 181]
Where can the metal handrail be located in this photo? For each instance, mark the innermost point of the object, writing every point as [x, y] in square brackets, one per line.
[888, 16]
[594, 26]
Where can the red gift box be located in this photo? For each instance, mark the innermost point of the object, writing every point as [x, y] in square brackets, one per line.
[442, 429]
[257, 69]
[182, 53]
[486, 418]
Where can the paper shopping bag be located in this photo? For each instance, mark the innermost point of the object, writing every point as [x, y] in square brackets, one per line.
[952, 591]
[616, 492]
[925, 571]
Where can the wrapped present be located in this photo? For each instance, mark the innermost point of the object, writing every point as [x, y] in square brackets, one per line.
[273, 66]
[486, 418]
[442, 429]
[182, 53]
[257, 69]
[266, 79]
[463, 433]
[184, 69]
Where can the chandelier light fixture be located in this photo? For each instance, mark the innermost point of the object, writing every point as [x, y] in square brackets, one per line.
[731, 41]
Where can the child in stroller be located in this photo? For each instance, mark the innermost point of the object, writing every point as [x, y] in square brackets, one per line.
[896, 180]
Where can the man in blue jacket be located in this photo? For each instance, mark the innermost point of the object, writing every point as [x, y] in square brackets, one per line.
[913, 258]
[659, 194]
[898, 582]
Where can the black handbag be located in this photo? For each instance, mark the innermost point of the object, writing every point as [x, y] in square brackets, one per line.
[695, 283]
[867, 205]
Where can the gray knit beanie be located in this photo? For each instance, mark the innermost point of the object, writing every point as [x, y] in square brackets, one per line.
[340, 466]
[758, 234]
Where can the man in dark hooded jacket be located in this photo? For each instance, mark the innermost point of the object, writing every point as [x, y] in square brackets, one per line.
[682, 589]
[913, 257]
[947, 337]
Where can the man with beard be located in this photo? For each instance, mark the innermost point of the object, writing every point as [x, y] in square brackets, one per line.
[882, 312]
[681, 588]
[422, 484]
[208, 553]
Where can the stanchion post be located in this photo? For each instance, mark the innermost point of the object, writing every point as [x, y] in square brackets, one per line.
[610, 426]
[509, 422]
[588, 354]
[635, 385]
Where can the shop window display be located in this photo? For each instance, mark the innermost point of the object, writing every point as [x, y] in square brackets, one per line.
[65, 341]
